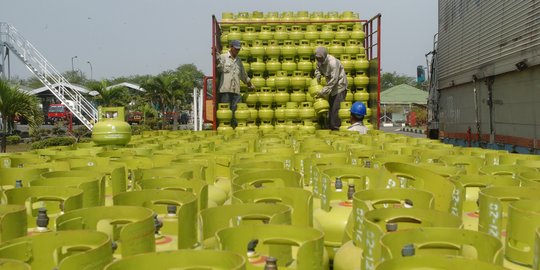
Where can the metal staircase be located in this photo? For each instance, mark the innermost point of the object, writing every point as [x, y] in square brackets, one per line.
[81, 108]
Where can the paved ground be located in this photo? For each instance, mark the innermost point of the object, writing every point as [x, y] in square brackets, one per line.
[415, 133]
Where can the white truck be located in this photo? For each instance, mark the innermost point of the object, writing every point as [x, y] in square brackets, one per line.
[485, 75]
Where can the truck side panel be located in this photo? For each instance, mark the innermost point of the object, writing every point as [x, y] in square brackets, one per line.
[512, 120]
[486, 38]
[493, 46]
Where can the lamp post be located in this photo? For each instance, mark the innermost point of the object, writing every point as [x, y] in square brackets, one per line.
[72, 68]
[91, 69]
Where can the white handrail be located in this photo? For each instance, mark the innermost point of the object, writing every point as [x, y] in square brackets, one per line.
[81, 108]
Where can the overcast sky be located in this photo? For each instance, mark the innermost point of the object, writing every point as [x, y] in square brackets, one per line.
[129, 37]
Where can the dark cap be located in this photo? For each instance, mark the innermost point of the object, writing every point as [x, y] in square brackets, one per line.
[236, 44]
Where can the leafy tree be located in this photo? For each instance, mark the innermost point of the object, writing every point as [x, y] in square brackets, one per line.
[75, 77]
[389, 80]
[115, 96]
[189, 77]
[160, 91]
[33, 82]
[17, 104]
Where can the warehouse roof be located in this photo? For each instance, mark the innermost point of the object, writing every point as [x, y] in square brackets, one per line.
[404, 94]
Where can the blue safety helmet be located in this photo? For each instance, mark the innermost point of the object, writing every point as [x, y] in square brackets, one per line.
[358, 109]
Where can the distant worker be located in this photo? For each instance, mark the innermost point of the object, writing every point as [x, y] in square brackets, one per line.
[358, 111]
[335, 89]
[232, 72]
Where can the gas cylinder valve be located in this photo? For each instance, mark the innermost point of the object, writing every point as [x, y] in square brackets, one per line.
[408, 250]
[42, 220]
[338, 184]
[158, 224]
[350, 192]
[271, 263]
[171, 210]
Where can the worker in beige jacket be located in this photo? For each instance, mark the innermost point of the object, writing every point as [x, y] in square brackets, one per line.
[232, 72]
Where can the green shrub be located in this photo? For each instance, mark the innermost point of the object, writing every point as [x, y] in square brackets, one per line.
[58, 130]
[84, 139]
[138, 129]
[40, 134]
[82, 133]
[55, 141]
[13, 139]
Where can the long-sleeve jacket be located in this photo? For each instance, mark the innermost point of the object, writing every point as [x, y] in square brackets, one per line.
[232, 72]
[359, 127]
[336, 78]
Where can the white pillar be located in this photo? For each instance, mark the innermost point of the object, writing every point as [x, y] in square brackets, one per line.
[194, 110]
[201, 100]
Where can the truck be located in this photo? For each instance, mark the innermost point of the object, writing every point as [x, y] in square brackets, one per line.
[258, 30]
[485, 75]
[57, 112]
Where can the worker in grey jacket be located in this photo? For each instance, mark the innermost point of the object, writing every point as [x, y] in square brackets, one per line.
[232, 72]
[336, 83]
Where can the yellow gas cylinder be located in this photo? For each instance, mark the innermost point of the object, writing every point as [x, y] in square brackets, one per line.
[347, 63]
[361, 94]
[361, 64]
[111, 129]
[281, 96]
[266, 96]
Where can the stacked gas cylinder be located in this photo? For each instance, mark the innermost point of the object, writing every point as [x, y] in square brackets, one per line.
[278, 54]
[254, 199]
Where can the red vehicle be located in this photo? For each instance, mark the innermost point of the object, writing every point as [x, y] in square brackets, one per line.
[58, 112]
[134, 117]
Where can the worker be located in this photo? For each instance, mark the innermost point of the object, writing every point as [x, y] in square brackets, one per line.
[335, 89]
[232, 72]
[358, 111]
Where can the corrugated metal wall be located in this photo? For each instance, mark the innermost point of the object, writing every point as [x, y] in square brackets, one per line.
[486, 38]
[515, 115]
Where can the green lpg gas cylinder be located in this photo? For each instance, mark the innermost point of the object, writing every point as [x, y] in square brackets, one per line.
[523, 220]
[217, 218]
[436, 262]
[130, 228]
[276, 241]
[175, 210]
[494, 203]
[443, 241]
[347, 256]
[74, 249]
[381, 221]
[182, 259]
[12, 221]
[111, 129]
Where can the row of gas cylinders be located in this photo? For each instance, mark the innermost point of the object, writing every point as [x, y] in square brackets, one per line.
[294, 33]
[240, 201]
[301, 48]
[351, 63]
[288, 18]
[268, 96]
[301, 81]
[292, 112]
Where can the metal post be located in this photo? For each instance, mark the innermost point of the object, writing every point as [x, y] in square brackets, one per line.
[91, 70]
[72, 67]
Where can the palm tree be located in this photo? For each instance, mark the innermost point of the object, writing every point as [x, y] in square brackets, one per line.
[115, 96]
[161, 90]
[15, 103]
